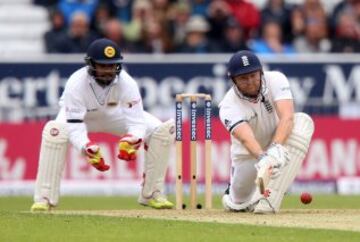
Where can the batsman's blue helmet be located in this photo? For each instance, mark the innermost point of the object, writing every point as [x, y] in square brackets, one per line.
[104, 51]
[243, 62]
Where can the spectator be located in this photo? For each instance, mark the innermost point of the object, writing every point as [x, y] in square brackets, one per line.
[155, 40]
[315, 37]
[314, 9]
[102, 15]
[342, 6]
[178, 17]
[196, 40]
[199, 7]
[247, 15]
[142, 13]
[78, 37]
[297, 22]
[121, 8]
[233, 39]
[69, 7]
[218, 14]
[271, 41]
[57, 30]
[349, 7]
[161, 9]
[278, 11]
[347, 38]
[113, 30]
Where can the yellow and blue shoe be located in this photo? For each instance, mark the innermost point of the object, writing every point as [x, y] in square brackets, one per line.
[157, 201]
[40, 207]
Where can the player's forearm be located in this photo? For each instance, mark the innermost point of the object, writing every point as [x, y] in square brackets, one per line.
[253, 147]
[245, 135]
[283, 129]
[136, 122]
[78, 135]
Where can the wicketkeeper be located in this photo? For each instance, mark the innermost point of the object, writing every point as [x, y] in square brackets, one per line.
[268, 141]
[102, 97]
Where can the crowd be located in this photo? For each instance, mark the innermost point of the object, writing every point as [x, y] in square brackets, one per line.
[203, 26]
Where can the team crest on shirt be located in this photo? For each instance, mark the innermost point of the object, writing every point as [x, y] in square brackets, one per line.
[268, 106]
[109, 51]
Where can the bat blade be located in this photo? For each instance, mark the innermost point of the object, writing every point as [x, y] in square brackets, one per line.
[263, 178]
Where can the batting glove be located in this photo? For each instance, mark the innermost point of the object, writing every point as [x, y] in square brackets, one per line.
[128, 146]
[279, 153]
[269, 163]
[94, 157]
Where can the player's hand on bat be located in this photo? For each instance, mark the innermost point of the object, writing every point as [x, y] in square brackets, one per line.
[94, 157]
[270, 164]
[279, 153]
[128, 146]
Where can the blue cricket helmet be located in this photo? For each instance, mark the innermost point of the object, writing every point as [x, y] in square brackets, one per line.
[243, 62]
[104, 51]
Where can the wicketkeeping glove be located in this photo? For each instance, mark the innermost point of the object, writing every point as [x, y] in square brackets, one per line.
[94, 157]
[128, 146]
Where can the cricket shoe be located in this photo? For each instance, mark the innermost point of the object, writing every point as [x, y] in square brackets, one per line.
[264, 207]
[157, 201]
[40, 207]
[230, 206]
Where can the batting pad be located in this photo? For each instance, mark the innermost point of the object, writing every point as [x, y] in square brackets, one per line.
[297, 145]
[51, 162]
[157, 158]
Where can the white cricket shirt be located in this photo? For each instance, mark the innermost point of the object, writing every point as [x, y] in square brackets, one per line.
[261, 116]
[118, 104]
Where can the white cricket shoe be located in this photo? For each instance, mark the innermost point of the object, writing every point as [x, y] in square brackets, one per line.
[230, 206]
[264, 207]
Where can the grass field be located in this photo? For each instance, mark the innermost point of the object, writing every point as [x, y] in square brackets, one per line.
[121, 219]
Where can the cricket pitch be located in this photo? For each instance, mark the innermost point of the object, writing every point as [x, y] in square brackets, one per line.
[337, 219]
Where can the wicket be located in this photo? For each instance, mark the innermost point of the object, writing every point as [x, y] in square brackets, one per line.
[193, 150]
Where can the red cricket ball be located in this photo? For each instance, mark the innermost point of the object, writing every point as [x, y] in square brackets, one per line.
[306, 198]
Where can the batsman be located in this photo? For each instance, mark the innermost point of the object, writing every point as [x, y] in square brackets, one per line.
[103, 97]
[268, 140]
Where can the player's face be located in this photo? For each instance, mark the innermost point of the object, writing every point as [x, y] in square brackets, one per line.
[248, 84]
[105, 73]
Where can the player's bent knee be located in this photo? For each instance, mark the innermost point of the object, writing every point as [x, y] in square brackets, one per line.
[303, 124]
[55, 132]
[302, 132]
[165, 132]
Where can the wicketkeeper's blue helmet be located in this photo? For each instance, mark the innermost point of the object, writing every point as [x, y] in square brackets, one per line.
[243, 62]
[103, 51]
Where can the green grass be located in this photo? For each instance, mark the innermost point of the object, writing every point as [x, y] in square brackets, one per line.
[17, 226]
[114, 203]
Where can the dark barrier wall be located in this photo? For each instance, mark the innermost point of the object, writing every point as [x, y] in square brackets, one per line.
[329, 85]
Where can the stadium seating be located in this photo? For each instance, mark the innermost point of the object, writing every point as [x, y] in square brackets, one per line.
[22, 26]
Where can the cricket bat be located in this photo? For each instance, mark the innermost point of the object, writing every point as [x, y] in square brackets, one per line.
[263, 178]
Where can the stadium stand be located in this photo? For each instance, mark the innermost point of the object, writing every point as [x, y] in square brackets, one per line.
[23, 23]
[22, 26]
